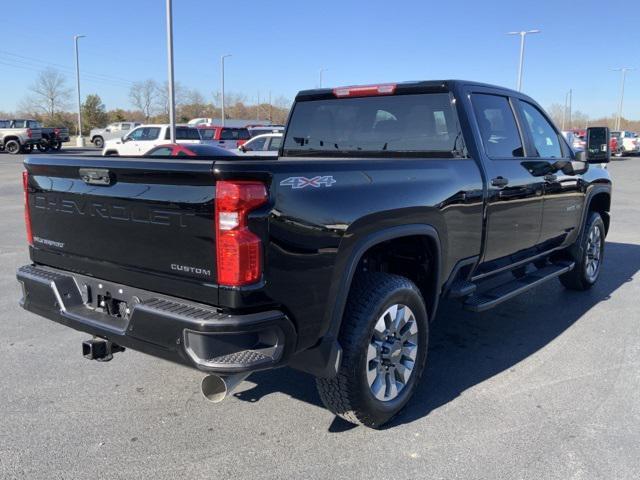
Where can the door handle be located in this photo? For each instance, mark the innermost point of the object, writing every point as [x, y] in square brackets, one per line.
[499, 182]
[550, 177]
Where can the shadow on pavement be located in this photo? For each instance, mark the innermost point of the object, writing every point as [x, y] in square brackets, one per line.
[467, 348]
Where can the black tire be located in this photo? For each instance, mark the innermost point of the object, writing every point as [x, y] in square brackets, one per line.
[57, 146]
[43, 146]
[111, 153]
[581, 277]
[27, 148]
[348, 394]
[13, 147]
[98, 142]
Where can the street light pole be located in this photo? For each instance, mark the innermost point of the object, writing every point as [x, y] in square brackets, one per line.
[570, 107]
[624, 71]
[522, 34]
[321, 70]
[172, 98]
[80, 139]
[222, 64]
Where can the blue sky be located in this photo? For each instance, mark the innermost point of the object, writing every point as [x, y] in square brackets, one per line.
[280, 46]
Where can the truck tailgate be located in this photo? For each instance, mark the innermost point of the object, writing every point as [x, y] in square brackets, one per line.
[143, 222]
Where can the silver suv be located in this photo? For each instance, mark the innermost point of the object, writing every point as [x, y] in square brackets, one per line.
[114, 130]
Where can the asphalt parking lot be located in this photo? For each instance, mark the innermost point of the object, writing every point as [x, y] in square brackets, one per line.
[544, 386]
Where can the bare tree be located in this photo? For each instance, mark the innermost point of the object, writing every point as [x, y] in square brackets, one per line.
[48, 95]
[162, 101]
[144, 96]
[194, 105]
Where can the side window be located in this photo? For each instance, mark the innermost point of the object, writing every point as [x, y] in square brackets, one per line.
[136, 134]
[257, 144]
[125, 126]
[543, 134]
[498, 126]
[275, 144]
[149, 133]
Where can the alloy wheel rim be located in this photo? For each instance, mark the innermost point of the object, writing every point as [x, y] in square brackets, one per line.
[594, 253]
[392, 352]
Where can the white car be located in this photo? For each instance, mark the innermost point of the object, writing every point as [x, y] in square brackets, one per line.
[143, 138]
[266, 145]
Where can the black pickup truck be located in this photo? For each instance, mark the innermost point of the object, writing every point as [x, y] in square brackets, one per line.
[331, 258]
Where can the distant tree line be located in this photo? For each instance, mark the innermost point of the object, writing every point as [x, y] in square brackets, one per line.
[579, 120]
[49, 100]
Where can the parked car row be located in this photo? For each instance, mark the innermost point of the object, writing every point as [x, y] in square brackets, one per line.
[620, 142]
[23, 135]
[629, 142]
[155, 140]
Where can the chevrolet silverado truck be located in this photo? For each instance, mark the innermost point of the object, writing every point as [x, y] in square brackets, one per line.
[15, 140]
[331, 258]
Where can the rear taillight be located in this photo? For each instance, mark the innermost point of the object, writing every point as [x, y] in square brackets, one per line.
[239, 251]
[56, 131]
[365, 90]
[29, 132]
[27, 210]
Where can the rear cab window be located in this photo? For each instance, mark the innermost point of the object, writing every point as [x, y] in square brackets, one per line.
[207, 133]
[235, 134]
[184, 133]
[413, 124]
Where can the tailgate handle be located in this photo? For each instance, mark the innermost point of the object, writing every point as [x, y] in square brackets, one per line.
[95, 176]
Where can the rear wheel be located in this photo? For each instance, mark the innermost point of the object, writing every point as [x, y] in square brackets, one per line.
[27, 148]
[384, 337]
[12, 147]
[98, 142]
[43, 146]
[587, 270]
[57, 146]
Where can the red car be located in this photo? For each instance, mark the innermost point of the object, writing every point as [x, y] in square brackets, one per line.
[226, 137]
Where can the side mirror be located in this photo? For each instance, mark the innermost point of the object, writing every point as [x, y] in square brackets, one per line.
[107, 130]
[124, 139]
[244, 149]
[598, 148]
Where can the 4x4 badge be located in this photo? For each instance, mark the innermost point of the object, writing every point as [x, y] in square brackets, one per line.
[302, 182]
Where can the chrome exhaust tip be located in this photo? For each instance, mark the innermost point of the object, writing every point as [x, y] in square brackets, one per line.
[216, 388]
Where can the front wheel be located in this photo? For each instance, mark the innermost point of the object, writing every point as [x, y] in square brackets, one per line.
[384, 336]
[43, 146]
[589, 261]
[57, 146]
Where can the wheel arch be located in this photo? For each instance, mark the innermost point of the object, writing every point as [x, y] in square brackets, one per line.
[324, 359]
[423, 232]
[600, 201]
